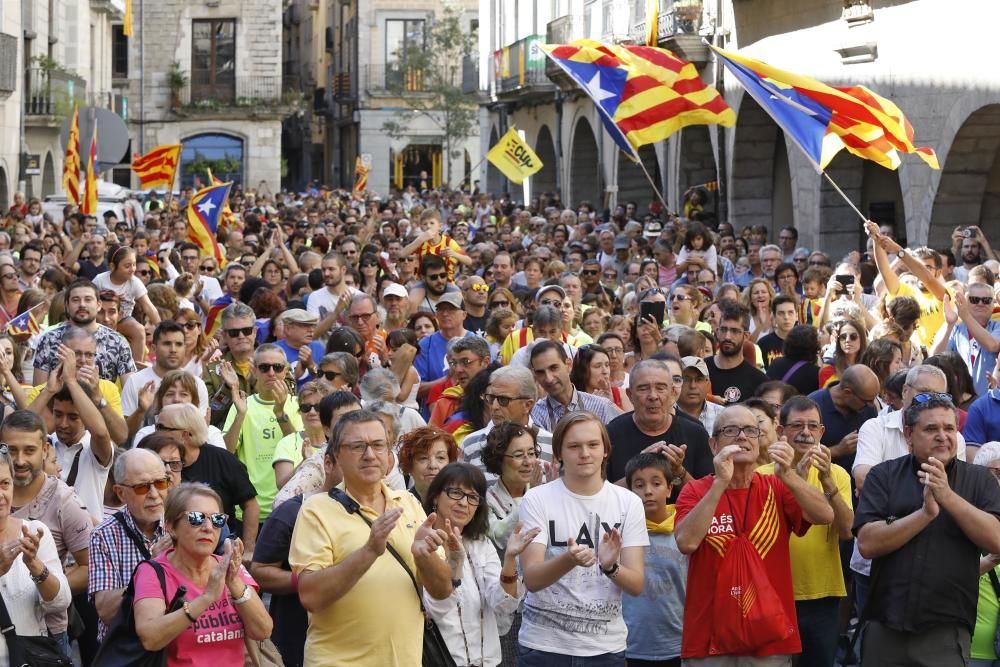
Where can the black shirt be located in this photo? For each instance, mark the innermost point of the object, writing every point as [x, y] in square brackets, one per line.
[934, 578]
[627, 441]
[805, 378]
[89, 270]
[227, 476]
[476, 325]
[290, 618]
[771, 348]
[734, 385]
[838, 425]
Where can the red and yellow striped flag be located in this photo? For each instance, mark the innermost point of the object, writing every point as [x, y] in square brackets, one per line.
[71, 163]
[360, 176]
[158, 166]
[89, 204]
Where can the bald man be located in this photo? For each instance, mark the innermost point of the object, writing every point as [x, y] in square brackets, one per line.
[845, 407]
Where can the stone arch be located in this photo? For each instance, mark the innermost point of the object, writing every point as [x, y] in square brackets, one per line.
[584, 167]
[632, 182]
[696, 162]
[968, 192]
[760, 177]
[494, 179]
[545, 149]
[48, 176]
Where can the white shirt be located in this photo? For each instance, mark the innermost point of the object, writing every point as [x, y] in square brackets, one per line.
[136, 381]
[581, 613]
[91, 476]
[458, 615]
[25, 605]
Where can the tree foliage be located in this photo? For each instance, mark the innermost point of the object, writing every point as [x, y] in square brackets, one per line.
[428, 78]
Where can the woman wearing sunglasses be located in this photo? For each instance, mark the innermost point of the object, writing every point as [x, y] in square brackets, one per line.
[850, 339]
[198, 349]
[295, 447]
[471, 617]
[221, 604]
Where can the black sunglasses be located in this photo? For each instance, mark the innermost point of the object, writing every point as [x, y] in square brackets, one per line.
[191, 326]
[329, 375]
[308, 407]
[264, 368]
[242, 331]
[218, 519]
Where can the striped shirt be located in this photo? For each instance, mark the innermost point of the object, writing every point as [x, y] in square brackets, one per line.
[548, 411]
[472, 448]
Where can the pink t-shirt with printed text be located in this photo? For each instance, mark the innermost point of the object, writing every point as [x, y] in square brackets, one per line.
[217, 638]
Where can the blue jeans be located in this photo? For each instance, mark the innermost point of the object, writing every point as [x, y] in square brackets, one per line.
[62, 639]
[818, 630]
[529, 657]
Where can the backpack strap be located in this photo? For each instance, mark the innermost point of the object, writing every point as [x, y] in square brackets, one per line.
[995, 582]
[791, 371]
[136, 539]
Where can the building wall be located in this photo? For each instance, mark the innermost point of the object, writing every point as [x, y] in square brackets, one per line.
[10, 110]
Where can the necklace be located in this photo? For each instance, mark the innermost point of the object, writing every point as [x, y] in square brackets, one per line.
[461, 621]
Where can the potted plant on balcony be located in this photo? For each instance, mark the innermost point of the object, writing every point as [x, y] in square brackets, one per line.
[177, 79]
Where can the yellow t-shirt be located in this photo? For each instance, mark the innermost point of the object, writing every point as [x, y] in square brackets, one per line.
[514, 341]
[378, 621]
[109, 391]
[816, 570]
[931, 314]
[450, 263]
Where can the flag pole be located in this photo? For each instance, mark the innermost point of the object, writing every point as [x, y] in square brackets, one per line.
[864, 218]
[650, 179]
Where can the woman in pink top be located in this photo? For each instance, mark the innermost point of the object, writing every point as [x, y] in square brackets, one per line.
[221, 604]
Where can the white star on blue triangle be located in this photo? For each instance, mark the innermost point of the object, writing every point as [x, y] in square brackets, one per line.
[605, 86]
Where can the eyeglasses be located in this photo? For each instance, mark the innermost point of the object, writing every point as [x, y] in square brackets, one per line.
[801, 426]
[167, 429]
[931, 396]
[329, 375]
[550, 302]
[8, 275]
[980, 300]
[143, 488]
[358, 317]
[242, 331]
[218, 519]
[498, 303]
[144, 272]
[751, 432]
[189, 258]
[848, 336]
[681, 297]
[589, 272]
[437, 276]
[504, 401]
[378, 447]
[529, 454]
[480, 287]
[175, 465]
[191, 326]
[308, 407]
[464, 363]
[730, 331]
[264, 368]
[369, 265]
[457, 494]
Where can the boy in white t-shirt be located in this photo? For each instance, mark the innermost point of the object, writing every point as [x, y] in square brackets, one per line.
[591, 548]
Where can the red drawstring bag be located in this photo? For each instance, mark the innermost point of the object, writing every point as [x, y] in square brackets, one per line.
[747, 613]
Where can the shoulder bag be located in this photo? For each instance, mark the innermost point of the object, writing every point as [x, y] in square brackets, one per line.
[435, 653]
[30, 650]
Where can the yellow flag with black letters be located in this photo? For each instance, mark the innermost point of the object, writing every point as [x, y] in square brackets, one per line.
[514, 157]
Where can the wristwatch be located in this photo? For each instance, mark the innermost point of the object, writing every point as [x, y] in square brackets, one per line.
[902, 253]
[103, 403]
[42, 576]
[612, 572]
[283, 419]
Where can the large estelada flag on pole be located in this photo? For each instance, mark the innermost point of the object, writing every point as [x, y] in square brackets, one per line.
[89, 204]
[158, 166]
[203, 214]
[228, 219]
[824, 119]
[514, 157]
[71, 163]
[644, 94]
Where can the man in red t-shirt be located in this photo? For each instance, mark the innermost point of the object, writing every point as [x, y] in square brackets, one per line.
[735, 501]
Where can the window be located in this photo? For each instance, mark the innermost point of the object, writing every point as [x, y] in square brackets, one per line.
[221, 153]
[213, 59]
[119, 53]
[402, 36]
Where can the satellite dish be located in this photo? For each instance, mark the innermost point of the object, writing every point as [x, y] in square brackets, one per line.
[112, 137]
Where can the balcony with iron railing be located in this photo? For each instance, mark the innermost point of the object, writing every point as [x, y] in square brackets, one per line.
[678, 28]
[51, 93]
[393, 80]
[519, 69]
[239, 94]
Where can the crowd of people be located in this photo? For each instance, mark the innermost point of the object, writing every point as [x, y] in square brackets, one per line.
[448, 428]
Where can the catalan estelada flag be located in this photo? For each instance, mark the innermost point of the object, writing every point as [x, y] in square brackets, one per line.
[158, 166]
[203, 214]
[644, 94]
[89, 204]
[823, 119]
[71, 163]
[212, 318]
[360, 176]
[514, 157]
[228, 219]
[25, 323]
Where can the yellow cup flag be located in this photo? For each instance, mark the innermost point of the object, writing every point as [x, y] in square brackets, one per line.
[514, 157]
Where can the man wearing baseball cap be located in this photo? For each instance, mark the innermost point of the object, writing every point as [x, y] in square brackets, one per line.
[432, 363]
[547, 295]
[396, 303]
[693, 399]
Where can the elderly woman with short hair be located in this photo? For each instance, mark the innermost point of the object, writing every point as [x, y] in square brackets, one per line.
[178, 386]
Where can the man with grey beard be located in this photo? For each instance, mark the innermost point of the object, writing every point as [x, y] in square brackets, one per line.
[817, 575]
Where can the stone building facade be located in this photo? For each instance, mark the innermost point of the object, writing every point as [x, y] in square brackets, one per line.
[208, 75]
[904, 50]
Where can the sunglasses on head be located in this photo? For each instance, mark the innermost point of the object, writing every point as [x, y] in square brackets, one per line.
[931, 396]
[196, 518]
[143, 488]
[242, 331]
[264, 368]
